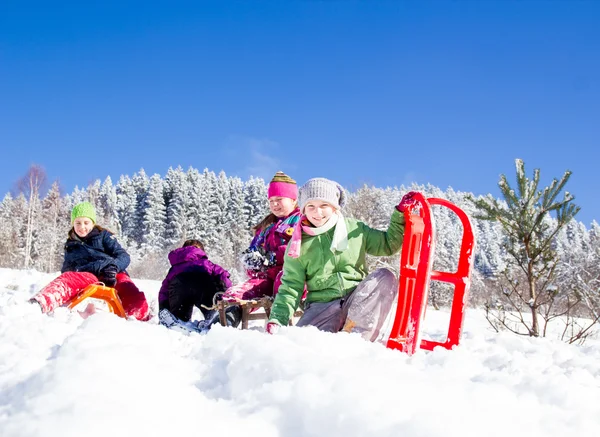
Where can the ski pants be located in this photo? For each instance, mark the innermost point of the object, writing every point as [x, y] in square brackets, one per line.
[66, 287]
[189, 290]
[363, 311]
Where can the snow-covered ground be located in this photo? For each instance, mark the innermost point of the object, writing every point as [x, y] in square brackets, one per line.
[104, 376]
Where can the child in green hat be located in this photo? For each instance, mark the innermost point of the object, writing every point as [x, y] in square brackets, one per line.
[92, 254]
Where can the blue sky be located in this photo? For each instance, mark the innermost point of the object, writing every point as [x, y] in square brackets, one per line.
[376, 92]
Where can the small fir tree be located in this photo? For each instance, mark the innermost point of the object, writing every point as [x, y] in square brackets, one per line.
[529, 234]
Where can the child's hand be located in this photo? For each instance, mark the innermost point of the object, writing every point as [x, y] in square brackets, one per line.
[254, 260]
[272, 328]
[108, 275]
[407, 200]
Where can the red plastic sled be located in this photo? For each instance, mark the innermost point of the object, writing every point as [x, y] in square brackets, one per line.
[415, 274]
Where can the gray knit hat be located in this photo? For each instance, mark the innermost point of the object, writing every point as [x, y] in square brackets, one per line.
[324, 190]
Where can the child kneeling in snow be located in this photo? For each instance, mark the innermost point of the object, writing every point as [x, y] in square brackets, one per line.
[193, 280]
[92, 254]
[328, 254]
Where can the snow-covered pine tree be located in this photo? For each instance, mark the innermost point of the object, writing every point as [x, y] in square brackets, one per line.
[211, 201]
[237, 229]
[256, 204]
[153, 222]
[79, 195]
[126, 207]
[93, 194]
[140, 184]
[530, 233]
[218, 236]
[107, 206]
[176, 190]
[17, 211]
[196, 207]
[9, 232]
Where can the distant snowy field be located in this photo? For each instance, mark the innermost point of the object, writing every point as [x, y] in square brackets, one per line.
[104, 376]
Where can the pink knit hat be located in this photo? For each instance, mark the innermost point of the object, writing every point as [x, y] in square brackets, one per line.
[283, 186]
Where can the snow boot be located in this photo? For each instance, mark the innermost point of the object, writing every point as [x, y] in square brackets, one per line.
[233, 315]
[170, 321]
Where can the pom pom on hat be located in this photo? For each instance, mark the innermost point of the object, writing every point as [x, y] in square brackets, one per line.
[283, 186]
[84, 209]
[322, 189]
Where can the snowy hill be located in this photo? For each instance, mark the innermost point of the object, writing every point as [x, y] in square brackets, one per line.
[103, 376]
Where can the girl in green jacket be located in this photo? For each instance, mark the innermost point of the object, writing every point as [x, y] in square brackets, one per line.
[327, 253]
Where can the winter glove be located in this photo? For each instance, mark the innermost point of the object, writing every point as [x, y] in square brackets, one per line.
[255, 260]
[108, 275]
[407, 200]
[272, 328]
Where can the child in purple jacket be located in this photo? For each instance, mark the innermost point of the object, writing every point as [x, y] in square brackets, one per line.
[193, 280]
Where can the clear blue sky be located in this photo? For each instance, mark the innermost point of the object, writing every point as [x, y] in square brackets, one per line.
[377, 92]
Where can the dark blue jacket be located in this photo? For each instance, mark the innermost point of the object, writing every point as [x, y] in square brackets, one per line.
[94, 252]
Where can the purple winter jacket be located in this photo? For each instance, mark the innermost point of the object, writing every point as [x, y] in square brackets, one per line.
[190, 258]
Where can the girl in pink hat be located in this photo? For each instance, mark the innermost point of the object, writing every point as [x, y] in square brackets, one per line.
[264, 258]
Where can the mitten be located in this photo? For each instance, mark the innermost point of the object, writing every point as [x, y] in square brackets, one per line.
[407, 200]
[272, 328]
[254, 260]
[108, 275]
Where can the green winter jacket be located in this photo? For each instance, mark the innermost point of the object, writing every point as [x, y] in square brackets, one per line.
[328, 275]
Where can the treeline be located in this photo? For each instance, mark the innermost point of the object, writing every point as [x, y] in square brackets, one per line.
[151, 215]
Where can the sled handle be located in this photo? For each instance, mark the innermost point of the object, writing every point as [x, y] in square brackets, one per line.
[461, 278]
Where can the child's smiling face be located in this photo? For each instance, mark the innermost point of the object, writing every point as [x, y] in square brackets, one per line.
[83, 226]
[318, 212]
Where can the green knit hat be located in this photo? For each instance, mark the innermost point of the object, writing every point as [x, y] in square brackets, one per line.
[83, 209]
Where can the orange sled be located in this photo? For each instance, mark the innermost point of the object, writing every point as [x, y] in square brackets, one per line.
[99, 291]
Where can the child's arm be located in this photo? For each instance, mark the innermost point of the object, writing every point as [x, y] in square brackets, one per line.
[290, 291]
[112, 248]
[385, 243]
[163, 293]
[66, 267]
[221, 275]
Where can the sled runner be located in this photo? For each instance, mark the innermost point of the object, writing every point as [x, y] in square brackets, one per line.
[416, 273]
[247, 309]
[101, 292]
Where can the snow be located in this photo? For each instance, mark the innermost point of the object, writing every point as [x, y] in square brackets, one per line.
[61, 375]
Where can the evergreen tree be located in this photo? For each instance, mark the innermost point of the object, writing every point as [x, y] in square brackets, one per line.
[530, 232]
[18, 225]
[210, 200]
[126, 207]
[79, 195]
[256, 204]
[9, 232]
[140, 183]
[176, 191]
[196, 207]
[153, 223]
[236, 230]
[107, 206]
[93, 194]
